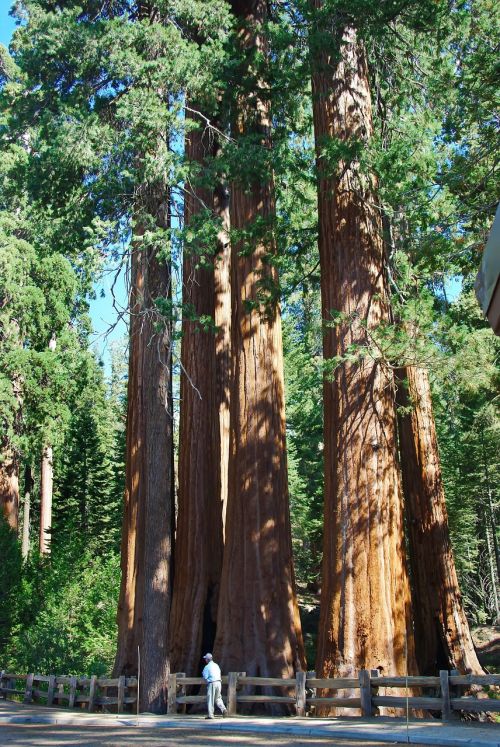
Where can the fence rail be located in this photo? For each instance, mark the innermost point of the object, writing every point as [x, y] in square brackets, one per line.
[87, 692]
[366, 693]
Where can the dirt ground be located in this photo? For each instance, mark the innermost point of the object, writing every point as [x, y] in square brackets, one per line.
[487, 642]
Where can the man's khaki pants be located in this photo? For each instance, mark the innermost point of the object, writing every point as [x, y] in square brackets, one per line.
[214, 697]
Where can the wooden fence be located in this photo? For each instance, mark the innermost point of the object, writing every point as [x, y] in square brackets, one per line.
[83, 692]
[365, 693]
[301, 692]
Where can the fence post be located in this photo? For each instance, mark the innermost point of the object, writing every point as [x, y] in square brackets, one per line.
[445, 694]
[72, 692]
[92, 687]
[365, 692]
[50, 690]
[121, 694]
[180, 676]
[300, 693]
[232, 681]
[172, 694]
[28, 692]
[374, 673]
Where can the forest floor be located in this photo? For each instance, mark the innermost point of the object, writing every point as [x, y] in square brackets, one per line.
[486, 637]
[487, 642]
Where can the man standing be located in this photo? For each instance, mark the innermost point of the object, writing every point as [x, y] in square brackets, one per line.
[212, 676]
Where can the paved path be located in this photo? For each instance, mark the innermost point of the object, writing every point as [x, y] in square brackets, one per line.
[38, 725]
[36, 735]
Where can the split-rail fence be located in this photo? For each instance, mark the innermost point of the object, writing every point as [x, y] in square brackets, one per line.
[302, 694]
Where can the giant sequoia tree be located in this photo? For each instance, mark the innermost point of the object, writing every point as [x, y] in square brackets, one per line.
[99, 98]
[365, 599]
[145, 593]
[258, 626]
[198, 552]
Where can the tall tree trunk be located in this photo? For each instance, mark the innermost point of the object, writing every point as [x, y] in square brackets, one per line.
[365, 619]
[9, 457]
[222, 278]
[258, 625]
[9, 485]
[46, 487]
[442, 635]
[144, 602]
[46, 490]
[28, 489]
[198, 550]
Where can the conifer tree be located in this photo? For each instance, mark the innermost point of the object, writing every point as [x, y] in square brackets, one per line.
[198, 552]
[365, 597]
[258, 625]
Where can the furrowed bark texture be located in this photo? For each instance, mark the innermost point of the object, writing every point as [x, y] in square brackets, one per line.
[145, 592]
[258, 626]
[222, 280]
[365, 596]
[9, 485]
[442, 635]
[198, 550]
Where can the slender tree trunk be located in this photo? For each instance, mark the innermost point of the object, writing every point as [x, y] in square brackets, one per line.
[28, 488]
[46, 490]
[144, 602]
[258, 625]
[198, 551]
[442, 635]
[9, 485]
[46, 487]
[365, 619]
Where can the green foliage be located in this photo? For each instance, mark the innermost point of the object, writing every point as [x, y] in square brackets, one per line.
[9, 582]
[91, 127]
[88, 490]
[64, 611]
[468, 420]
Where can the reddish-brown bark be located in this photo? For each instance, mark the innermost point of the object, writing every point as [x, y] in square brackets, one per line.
[258, 626]
[222, 279]
[442, 635]
[365, 597]
[144, 603]
[198, 550]
[9, 485]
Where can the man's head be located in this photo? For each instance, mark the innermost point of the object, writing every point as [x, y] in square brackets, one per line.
[208, 657]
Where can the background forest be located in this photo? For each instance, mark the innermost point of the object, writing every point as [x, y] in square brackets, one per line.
[103, 101]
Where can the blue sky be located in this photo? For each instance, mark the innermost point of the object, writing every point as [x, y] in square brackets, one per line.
[102, 312]
[7, 24]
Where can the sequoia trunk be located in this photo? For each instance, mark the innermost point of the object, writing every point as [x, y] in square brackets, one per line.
[198, 551]
[365, 596]
[442, 635]
[144, 603]
[222, 278]
[258, 626]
